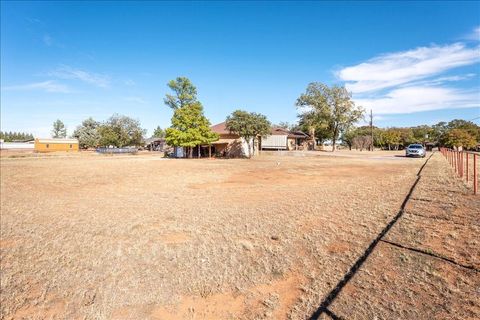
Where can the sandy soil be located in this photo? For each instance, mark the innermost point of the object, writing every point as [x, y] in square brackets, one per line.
[142, 237]
[428, 267]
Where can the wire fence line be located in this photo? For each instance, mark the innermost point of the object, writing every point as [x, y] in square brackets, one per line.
[465, 164]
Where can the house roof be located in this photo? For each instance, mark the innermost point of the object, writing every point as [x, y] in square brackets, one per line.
[298, 134]
[277, 131]
[285, 132]
[153, 139]
[220, 128]
[40, 140]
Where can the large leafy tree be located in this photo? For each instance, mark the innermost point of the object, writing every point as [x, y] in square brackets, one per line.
[159, 132]
[59, 130]
[332, 107]
[315, 125]
[392, 138]
[440, 132]
[472, 128]
[456, 138]
[121, 131]
[185, 93]
[422, 133]
[87, 133]
[406, 136]
[190, 128]
[249, 126]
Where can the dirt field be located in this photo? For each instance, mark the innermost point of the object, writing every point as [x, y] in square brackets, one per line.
[142, 237]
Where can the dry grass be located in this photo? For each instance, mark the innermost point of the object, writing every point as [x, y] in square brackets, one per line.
[441, 219]
[141, 237]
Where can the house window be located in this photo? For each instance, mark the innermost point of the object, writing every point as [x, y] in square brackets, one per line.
[47, 145]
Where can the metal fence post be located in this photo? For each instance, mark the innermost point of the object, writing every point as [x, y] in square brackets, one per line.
[455, 160]
[475, 178]
[466, 171]
[461, 164]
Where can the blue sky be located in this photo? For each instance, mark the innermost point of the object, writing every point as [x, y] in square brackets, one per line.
[412, 63]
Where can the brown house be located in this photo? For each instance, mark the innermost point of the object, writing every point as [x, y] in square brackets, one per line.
[232, 145]
[228, 144]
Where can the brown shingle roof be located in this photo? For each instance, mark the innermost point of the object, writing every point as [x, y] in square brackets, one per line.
[220, 128]
[277, 131]
[285, 132]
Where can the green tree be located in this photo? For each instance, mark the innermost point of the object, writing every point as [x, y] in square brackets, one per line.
[185, 93]
[11, 136]
[159, 132]
[392, 138]
[470, 127]
[332, 107]
[87, 133]
[59, 130]
[348, 137]
[379, 137]
[422, 133]
[121, 131]
[460, 138]
[249, 126]
[316, 127]
[406, 136]
[190, 128]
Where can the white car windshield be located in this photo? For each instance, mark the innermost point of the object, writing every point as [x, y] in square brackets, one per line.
[415, 146]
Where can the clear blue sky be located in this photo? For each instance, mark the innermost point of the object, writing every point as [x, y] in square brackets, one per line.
[412, 63]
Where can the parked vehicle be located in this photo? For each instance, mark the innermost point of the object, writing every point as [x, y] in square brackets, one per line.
[415, 150]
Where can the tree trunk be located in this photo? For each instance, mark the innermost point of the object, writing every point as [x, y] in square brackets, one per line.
[190, 152]
[209, 150]
[334, 140]
[199, 151]
[312, 133]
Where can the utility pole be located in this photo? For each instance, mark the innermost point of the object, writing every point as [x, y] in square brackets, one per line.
[371, 128]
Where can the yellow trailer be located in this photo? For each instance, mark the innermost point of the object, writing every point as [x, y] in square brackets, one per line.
[52, 145]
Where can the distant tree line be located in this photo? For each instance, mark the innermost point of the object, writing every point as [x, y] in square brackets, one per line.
[15, 136]
[454, 134]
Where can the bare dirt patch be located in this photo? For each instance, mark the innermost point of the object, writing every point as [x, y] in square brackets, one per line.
[133, 237]
[427, 265]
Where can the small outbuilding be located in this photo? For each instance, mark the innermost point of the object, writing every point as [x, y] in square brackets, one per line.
[284, 139]
[155, 144]
[52, 145]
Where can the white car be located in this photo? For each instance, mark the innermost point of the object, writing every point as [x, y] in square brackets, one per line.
[415, 150]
